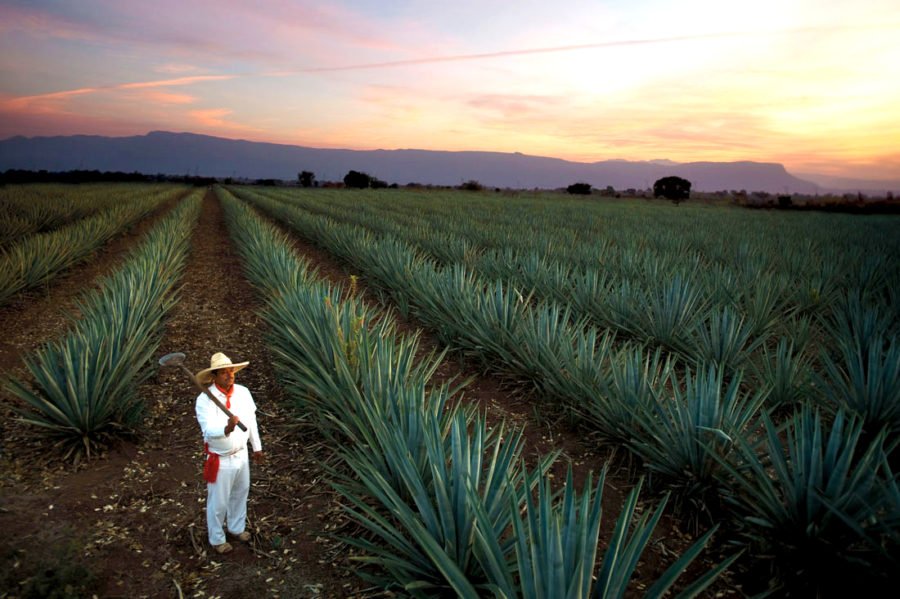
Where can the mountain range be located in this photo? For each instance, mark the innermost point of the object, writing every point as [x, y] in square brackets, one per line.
[188, 153]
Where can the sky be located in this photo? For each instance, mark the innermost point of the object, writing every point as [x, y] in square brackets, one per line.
[811, 84]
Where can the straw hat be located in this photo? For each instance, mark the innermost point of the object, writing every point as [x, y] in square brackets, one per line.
[218, 361]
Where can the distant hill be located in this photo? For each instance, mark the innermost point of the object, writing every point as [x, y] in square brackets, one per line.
[846, 184]
[188, 153]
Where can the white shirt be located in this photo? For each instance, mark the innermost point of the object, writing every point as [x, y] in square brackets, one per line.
[213, 421]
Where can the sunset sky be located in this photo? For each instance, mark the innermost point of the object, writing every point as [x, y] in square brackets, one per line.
[812, 84]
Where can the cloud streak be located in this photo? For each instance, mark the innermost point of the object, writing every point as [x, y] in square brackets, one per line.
[39, 100]
[579, 47]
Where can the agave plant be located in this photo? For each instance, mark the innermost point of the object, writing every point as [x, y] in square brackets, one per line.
[579, 374]
[865, 379]
[763, 302]
[869, 275]
[632, 380]
[557, 540]
[318, 344]
[804, 495]
[589, 294]
[787, 373]
[724, 340]
[668, 314]
[422, 535]
[800, 330]
[392, 389]
[625, 550]
[477, 317]
[677, 435]
[855, 320]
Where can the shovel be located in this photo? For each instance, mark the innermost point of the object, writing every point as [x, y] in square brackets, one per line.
[177, 359]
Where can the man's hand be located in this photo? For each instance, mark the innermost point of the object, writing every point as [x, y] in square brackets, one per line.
[232, 422]
[258, 457]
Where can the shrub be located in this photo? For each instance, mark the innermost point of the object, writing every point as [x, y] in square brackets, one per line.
[579, 188]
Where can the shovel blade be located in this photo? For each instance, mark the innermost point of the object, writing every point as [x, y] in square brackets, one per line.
[173, 359]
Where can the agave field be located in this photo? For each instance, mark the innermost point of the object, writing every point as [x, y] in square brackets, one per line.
[749, 362]
[745, 365]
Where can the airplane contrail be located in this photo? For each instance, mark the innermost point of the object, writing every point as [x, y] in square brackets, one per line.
[503, 53]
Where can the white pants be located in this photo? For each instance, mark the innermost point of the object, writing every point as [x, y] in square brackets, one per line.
[227, 497]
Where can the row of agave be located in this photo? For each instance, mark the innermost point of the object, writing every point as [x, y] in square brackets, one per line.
[39, 257]
[694, 427]
[27, 209]
[447, 503]
[82, 388]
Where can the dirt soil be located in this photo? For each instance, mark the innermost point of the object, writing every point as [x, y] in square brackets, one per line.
[131, 523]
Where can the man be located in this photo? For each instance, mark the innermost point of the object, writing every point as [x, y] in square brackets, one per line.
[227, 470]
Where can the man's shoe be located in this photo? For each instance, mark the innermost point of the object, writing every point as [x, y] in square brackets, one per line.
[223, 548]
[244, 536]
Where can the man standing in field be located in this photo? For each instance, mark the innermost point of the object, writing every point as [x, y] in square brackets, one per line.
[227, 469]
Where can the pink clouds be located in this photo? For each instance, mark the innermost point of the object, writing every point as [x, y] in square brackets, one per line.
[173, 82]
[214, 119]
[176, 69]
[108, 108]
[43, 103]
[167, 98]
[518, 105]
[56, 102]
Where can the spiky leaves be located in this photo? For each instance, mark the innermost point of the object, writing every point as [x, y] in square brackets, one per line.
[676, 431]
[805, 493]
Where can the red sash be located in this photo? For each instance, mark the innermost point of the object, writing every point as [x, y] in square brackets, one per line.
[211, 467]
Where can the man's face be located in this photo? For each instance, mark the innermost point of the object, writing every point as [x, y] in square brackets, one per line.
[224, 377]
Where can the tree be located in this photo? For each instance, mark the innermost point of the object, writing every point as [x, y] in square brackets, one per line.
[579, 188]
[672, 188]
[471, 185]
[357, 180]
[307, 178]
